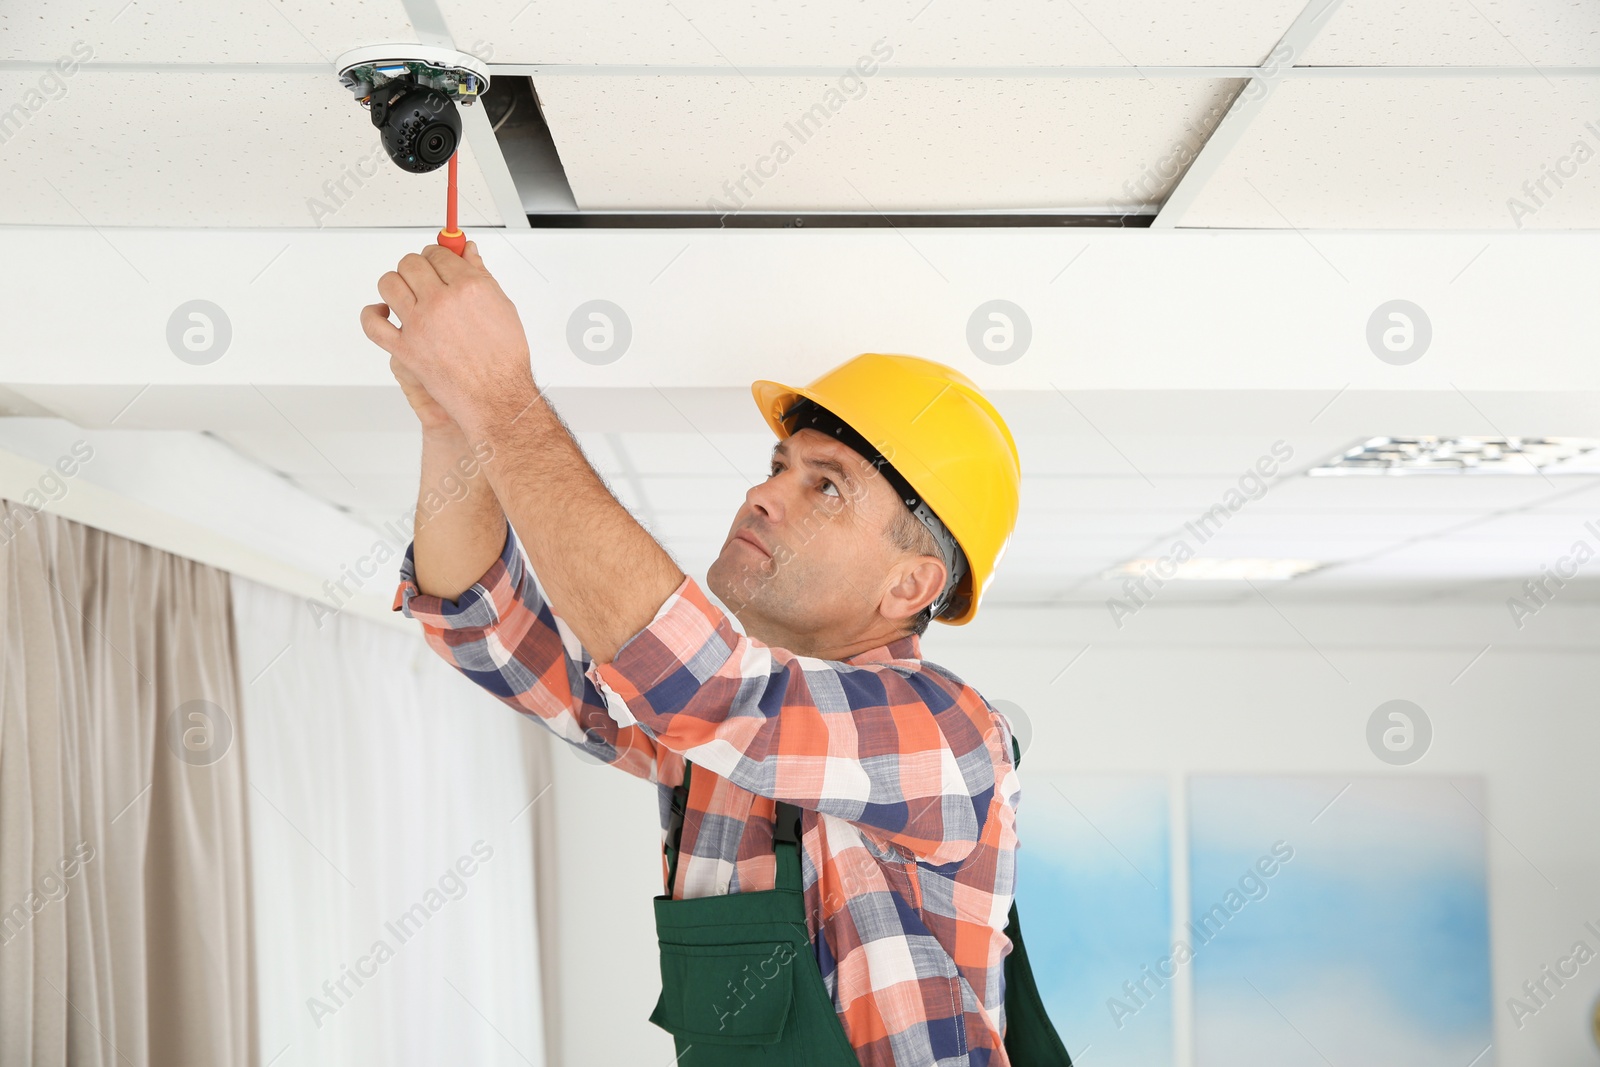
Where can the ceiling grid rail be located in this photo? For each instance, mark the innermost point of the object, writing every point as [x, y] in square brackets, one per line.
[429, 22]
[1246, 106]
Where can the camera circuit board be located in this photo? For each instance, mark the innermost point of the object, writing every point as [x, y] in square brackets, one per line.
[457, 84]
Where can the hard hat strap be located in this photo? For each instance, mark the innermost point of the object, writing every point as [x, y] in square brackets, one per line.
[806, 413]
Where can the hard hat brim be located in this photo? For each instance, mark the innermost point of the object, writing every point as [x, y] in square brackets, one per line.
[773, 398]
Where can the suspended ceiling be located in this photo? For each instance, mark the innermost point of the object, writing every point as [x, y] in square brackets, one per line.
[1380, 116]
[1375, 115]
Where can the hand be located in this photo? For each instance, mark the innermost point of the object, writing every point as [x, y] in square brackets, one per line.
[460, 343]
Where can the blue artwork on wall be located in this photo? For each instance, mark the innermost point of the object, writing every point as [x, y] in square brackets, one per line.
[1369, 940]
[1094, 893]
[1340, 920]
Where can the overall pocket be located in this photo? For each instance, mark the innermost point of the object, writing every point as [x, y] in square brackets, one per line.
[728, 1005]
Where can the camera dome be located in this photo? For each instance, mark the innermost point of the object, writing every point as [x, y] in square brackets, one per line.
[419, 126]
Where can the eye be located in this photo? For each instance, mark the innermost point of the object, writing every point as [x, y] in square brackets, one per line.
[776, 464]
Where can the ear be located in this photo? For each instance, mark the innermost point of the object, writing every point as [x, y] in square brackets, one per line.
[919, 584]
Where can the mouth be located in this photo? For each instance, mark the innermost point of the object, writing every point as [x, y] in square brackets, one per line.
[748, 538]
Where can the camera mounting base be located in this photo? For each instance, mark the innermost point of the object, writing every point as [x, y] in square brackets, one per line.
[460, 76]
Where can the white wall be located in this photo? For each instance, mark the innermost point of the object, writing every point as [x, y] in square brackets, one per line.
[1194, 688]
[610, 857]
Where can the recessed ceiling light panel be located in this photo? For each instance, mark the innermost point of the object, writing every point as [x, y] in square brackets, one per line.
[1462, 455]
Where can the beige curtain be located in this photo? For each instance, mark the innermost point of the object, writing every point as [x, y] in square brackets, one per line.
[125, 924]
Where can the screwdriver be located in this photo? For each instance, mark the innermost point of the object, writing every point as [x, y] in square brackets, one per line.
[451, 237]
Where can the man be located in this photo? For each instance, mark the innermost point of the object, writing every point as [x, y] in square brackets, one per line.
[840, 861]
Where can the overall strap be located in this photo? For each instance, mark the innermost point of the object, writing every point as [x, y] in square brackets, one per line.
[785, 837]
[680, 805]
[786, 843]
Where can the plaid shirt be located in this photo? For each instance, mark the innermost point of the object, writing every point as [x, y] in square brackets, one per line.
[904, 773]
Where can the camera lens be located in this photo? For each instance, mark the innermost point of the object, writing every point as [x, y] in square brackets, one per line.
[436, 145]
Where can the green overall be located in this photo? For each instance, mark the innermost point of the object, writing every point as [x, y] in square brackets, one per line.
[740, 983]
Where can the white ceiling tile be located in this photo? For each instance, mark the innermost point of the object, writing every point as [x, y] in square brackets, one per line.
[201, 31]
[693, 143]
[837, 32]
[1414, 153]
[1454, 32]
[237, 150]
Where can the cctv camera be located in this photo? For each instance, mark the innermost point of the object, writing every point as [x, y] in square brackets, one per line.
[412, 90]
[419, 126]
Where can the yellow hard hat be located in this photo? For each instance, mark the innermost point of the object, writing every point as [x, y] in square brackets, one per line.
[939, 434]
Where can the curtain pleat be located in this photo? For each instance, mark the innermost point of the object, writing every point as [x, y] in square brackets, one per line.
[125, 917]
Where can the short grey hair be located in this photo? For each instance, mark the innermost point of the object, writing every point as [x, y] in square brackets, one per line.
[909, 535]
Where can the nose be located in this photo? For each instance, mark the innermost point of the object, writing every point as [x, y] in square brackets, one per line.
[766, 498]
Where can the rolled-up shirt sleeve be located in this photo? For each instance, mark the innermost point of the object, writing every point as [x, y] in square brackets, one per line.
[894, 746]
[502, 635]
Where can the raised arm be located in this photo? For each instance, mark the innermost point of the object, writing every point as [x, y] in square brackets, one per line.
[464, 578]
[462, 340]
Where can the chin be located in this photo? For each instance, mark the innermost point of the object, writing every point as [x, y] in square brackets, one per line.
[735, 596]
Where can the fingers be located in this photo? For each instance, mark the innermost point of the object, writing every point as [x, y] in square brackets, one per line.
[472, 257]
[450, 267]
[379, 330]
[397, 294]
[419, 273]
